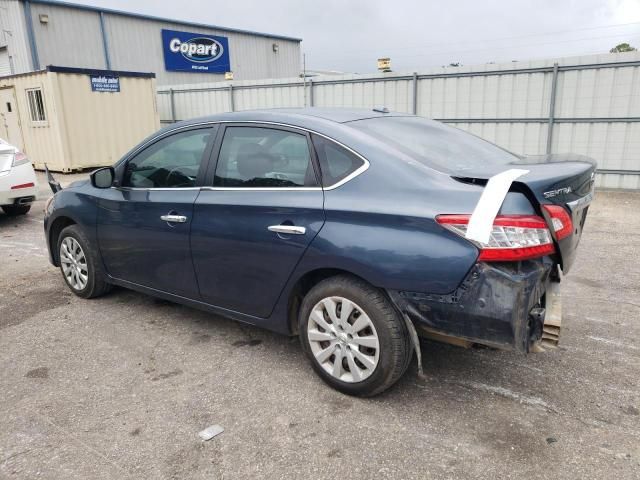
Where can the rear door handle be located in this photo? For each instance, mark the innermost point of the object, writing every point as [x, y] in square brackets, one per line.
[287, 229]
[173, 218]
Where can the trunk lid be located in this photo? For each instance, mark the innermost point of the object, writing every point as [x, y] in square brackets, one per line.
[565, 180]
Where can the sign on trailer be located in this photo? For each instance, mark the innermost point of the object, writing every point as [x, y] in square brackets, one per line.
[195, 52]
[104, 83]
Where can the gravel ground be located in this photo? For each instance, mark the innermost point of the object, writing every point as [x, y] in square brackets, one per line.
[119, 387]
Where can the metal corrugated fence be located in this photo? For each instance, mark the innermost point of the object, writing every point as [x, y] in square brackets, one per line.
[586, 105]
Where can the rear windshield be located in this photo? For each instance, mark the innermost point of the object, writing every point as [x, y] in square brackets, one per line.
[434, 144]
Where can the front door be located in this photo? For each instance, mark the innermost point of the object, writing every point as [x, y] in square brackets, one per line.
[259, 214]
[143, 224]
[10, 130]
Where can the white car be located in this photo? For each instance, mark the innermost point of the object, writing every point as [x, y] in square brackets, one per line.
[18, 184]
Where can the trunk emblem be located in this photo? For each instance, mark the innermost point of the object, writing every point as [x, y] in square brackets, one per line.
[558, 191]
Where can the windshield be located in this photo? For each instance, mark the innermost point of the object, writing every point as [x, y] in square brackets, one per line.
[435, 144]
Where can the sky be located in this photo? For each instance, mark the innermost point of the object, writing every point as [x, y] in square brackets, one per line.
[350, 35]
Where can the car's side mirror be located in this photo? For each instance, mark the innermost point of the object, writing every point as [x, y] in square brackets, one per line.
[103, 177]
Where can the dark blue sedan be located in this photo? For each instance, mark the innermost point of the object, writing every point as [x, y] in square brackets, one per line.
[357, 230]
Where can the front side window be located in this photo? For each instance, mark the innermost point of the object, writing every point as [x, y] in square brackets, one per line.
[172, 162]
[254, 157]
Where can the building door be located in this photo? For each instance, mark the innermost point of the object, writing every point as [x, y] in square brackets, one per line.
[10, 129]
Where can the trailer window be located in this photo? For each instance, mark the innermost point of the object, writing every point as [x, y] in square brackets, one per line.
[36, 105]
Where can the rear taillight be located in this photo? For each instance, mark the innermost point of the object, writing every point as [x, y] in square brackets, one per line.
[23, 185]
[20, 158]
[561, 220]
[513, 237]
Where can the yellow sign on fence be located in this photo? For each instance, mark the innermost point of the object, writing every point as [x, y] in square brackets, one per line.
[384, 64]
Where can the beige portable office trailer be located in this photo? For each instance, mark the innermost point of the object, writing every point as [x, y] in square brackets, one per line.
[73, 119]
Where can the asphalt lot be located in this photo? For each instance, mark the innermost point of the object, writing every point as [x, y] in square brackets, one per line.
[119, 387]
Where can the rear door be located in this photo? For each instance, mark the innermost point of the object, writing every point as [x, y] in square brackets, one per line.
[143, 225]
[260, 210]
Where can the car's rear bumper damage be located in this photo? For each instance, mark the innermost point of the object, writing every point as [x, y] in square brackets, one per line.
[513, 306]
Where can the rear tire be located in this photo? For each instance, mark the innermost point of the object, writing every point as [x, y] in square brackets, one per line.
[15, 210]
[80, 264]
[356, 341]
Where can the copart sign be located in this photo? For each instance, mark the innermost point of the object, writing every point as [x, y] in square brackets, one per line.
[195, 52]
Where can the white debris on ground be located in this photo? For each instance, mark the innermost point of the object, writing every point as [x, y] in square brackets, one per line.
[210, 432]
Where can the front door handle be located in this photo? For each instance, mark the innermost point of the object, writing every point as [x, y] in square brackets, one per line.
[287, 229]
[173, 218]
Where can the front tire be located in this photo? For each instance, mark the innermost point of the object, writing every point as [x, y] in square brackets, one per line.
[15, 210]
[356, 341]
[79, 263]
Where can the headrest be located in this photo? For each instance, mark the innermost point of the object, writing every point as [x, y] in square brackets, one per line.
[253, 161]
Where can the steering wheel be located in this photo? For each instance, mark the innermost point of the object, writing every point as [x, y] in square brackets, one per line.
[186, 180]
[279, 160]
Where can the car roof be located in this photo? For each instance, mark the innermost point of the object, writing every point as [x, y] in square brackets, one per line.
[297, 116]
[339, 115]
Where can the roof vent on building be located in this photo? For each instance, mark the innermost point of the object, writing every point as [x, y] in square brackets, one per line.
[381, 109]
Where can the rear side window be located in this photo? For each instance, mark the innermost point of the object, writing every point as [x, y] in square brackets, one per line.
[336, 162]
[434, 144]
[254, 157]
[172, 162]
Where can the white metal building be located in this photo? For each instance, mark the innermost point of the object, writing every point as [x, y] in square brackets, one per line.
[37, 33]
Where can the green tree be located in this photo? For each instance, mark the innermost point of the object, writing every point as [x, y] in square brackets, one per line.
[623, 47]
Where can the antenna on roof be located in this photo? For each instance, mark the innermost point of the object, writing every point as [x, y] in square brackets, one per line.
[381, 109]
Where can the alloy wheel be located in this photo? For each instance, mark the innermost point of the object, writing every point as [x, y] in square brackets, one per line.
[74, 263]
[343, 339]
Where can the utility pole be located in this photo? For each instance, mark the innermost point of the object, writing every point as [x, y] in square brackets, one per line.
[304, 77]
